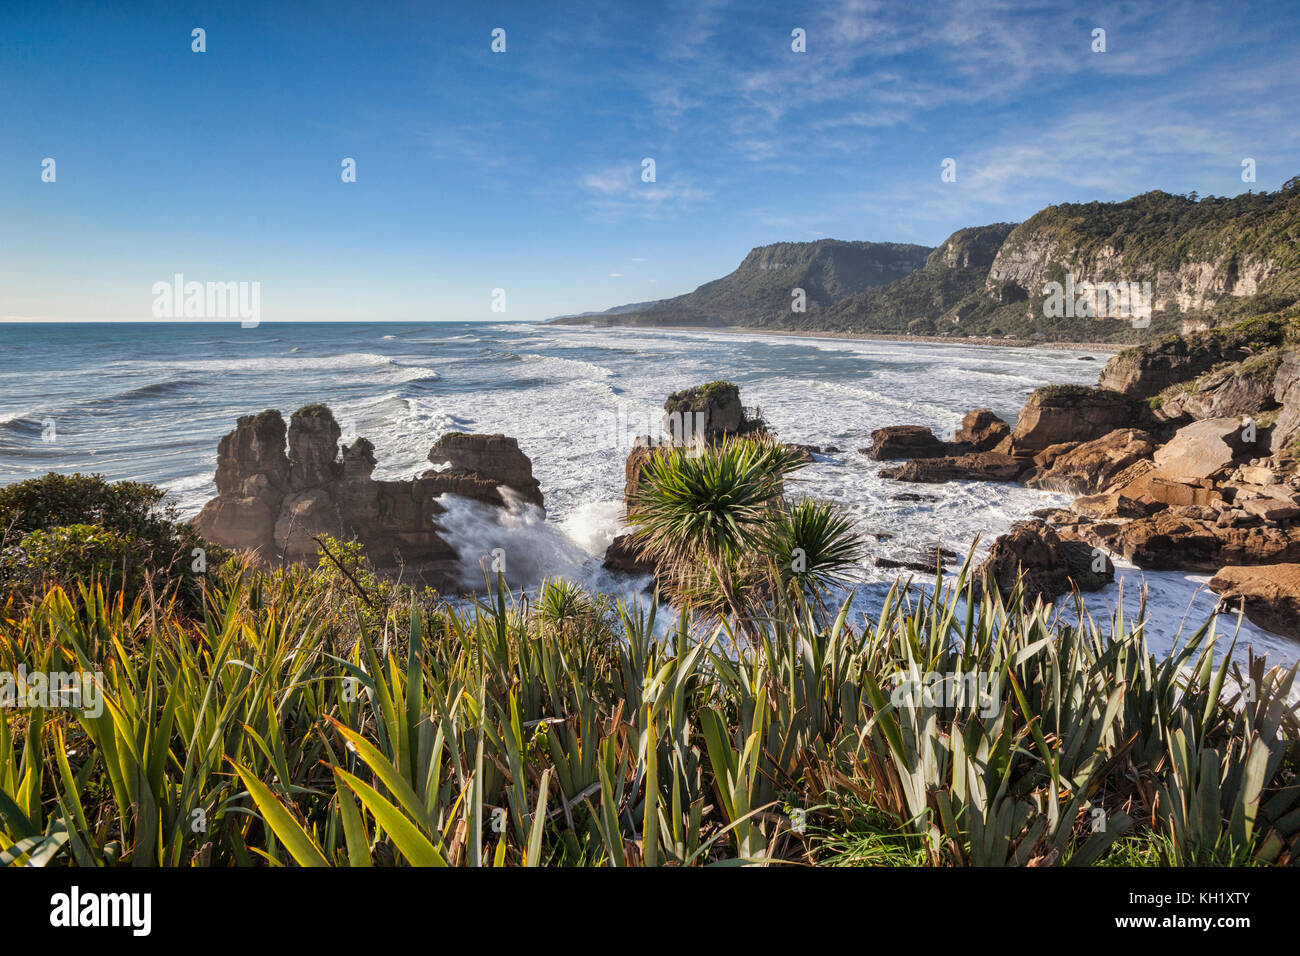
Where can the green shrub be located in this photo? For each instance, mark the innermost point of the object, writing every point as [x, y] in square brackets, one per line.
[68, 554]
[98, 517]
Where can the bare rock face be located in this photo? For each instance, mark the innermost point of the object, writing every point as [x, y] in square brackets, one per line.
[1202, 450]
[1242, 389]
[1058, 414]
[1051, 564]
[251, 458]
[981, 430]
[275, 503]
[1269, 594]
[1090, 467]
[1286, 392]
[1143, 372]
[904, 441]
[313, 448]
[489, 461]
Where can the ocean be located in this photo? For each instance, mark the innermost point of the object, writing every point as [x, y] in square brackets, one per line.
[150, 401]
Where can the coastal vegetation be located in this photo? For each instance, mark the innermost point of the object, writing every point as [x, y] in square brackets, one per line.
[327, 716]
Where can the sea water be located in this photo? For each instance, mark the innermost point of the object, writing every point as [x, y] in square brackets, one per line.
[150, 402]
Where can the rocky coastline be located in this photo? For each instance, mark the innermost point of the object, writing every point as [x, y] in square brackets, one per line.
[1182, 457]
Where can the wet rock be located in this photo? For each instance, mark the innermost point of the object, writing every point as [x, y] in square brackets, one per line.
[489, 460]
[904, 441]
[275, 504]
[1269, 594]
[1051, 565]
[984, 466]
[922, 560]
[623, 556]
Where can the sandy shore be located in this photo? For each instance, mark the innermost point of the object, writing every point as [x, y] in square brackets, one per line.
[985, 341]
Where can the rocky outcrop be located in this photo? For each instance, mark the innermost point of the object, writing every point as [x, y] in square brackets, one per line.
[904, 441]
[1233, 391]
[1149, 370]
[983, 466]
[1068, 413]
[1051, 565]
[1269, 594]
[981, 430]
[480, 464]
[1089, 467]
[1191, 538]
[713, 410]
[1286, 392]
[274, 503]
[623, 556]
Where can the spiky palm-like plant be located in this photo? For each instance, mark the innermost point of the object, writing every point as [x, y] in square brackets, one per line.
[715, 521]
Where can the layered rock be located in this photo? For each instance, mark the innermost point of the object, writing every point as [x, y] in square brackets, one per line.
[983, 466]
[1089, 467]
[1233, 391]
[1269, 594]
[981, 430]
[275, 503]
[1068, 413]
[1286, 393]
[478, 465]
[1191, 538]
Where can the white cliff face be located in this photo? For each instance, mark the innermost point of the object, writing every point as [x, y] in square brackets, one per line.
[1194, 286]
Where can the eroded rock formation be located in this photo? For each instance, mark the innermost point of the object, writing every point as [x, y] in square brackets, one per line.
[278, 489]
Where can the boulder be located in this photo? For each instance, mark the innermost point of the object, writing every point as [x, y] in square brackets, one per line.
[904, 441]
[1068, 413]
[981, 430]
[1269, 594]
[1090, 467]
[624, 557]
[487, 461]
[1051, 565]
[714, 407]
[1202, 450]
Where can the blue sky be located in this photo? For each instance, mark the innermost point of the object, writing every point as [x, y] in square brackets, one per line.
[522, 170]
